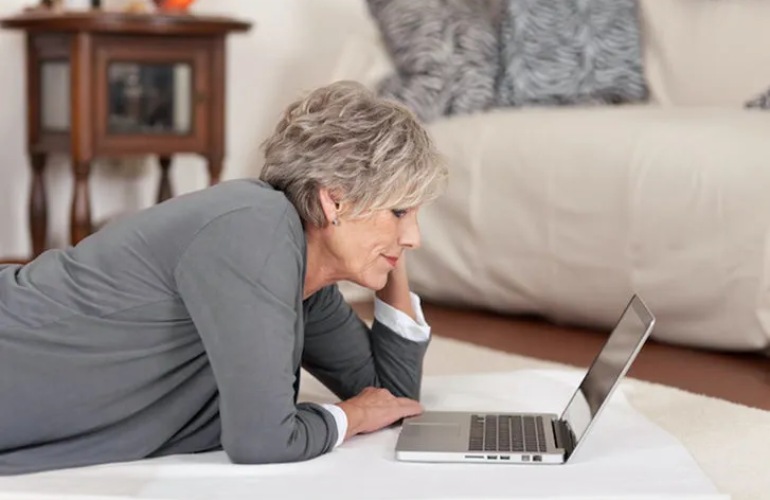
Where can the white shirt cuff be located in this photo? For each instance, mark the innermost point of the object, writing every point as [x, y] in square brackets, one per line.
[402, 323]
[340, 419]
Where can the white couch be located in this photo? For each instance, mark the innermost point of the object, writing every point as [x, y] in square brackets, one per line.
[564, 212]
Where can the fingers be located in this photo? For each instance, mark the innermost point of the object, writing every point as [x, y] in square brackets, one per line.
[375, 408]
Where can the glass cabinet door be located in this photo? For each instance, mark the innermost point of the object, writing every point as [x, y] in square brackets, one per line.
[149, 98]
[152, 97]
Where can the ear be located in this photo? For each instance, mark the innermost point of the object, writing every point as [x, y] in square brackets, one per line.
[329, 204]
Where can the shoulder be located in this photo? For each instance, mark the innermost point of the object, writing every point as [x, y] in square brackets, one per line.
[249, 209]
[242, 220]
[238, 194]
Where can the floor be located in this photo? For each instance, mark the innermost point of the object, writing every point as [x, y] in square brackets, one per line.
[740, 378]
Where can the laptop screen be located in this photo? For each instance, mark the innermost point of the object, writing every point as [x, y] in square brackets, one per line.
[609, 366]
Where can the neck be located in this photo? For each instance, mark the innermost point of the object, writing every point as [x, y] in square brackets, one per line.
[318, 270]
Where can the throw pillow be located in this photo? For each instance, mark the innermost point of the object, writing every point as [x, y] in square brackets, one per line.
[445, 53]
[762, 101]
[571, 52]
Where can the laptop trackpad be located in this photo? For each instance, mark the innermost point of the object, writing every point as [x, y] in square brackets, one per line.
[432, 437]
[431, 431]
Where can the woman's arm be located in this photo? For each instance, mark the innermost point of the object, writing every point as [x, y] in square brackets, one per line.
[348, 357]
[241, 280]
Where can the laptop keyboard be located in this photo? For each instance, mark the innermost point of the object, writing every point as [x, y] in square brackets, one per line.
[507, 433]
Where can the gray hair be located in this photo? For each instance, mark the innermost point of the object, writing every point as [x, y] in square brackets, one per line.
[367, 151]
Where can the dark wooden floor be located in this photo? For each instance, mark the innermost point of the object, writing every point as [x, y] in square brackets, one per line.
[741, 378]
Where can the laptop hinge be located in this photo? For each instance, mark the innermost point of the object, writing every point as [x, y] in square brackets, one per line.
[565, 438]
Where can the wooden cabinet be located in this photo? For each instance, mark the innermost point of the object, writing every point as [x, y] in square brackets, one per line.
[104, 84]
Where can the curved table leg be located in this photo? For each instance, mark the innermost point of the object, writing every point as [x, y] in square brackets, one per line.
[215, 165]
[80, 216]
[38, 204]
[165, 191]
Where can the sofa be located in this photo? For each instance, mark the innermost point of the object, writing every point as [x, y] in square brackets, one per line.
[565, 211]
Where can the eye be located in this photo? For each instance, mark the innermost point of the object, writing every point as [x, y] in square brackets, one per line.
[399, 212]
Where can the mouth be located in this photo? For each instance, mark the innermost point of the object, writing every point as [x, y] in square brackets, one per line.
[391, 260]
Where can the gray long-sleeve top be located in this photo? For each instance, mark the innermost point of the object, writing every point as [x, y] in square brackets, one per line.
[181, 329]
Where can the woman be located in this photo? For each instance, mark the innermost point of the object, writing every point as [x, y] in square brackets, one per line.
[182, 328]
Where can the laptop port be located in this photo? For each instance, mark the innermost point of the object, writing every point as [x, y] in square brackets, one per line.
[475, 456]
[504, 457]
[491, 457]
[525, 458]
[537, 458]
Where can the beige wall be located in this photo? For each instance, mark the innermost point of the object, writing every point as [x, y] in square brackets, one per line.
[293, 47]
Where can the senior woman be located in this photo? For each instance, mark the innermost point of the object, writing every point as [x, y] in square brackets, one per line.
[183, 327]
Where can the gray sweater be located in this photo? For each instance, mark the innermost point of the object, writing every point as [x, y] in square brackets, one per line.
[182, 329]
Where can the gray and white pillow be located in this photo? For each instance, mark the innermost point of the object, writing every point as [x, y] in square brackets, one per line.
[567, 52]
[762, 101]
[445, 53]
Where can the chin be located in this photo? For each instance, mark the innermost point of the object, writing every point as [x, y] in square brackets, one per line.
[374, 283]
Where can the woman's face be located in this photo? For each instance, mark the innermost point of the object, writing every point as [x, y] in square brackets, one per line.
[368, 248]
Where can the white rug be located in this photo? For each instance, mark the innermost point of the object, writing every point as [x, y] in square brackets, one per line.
[627, 457]
[734, 460]
[729, 441]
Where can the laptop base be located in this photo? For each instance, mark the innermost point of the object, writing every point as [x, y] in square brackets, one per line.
[453, 437]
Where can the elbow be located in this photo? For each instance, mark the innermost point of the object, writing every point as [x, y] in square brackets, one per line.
[294, 440]
[243, 454]
[265, 451]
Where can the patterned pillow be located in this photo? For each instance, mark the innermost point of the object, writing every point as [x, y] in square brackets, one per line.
[762, 101]
[571, 52]
[445, 53]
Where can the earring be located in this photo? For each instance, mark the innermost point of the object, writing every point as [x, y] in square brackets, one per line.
[336, 221]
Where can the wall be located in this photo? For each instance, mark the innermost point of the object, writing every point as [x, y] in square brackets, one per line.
[292, 47]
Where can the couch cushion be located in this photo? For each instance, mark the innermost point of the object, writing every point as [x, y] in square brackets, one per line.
[565, 213]
[445, 53]
[570, 52]
[706, 52]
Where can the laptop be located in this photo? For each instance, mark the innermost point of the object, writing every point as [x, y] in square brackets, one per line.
[531, 438]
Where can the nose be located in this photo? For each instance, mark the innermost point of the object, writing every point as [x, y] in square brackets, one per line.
[410, 232]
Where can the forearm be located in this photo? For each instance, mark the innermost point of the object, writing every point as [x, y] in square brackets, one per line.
[397, 361]
[349, 357]
[399, 336]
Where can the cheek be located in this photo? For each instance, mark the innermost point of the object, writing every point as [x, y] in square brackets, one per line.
[365, 246]
[359, 251]
[367, 255]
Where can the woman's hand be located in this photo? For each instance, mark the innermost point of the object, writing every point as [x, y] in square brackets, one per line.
[396, 291]
[373, 409]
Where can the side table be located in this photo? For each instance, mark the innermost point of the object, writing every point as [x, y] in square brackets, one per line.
[136, 84]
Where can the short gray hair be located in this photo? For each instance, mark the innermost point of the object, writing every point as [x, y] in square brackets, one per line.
[368, 151]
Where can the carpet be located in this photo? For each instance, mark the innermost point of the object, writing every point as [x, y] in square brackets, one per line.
[734, 459]
[627, 457]
[733, 456]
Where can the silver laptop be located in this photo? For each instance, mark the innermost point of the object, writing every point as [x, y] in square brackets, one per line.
[530, 438]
